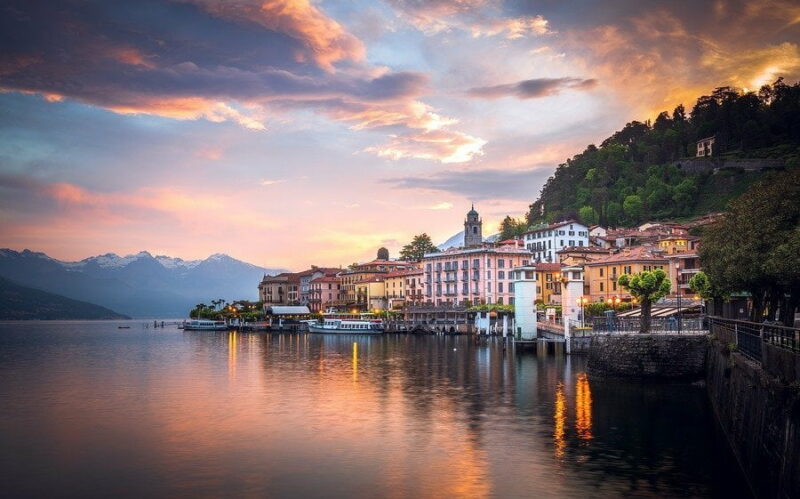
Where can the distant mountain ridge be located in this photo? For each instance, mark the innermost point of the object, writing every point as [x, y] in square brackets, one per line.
[23, 303]
[138, 285]
[457, 241]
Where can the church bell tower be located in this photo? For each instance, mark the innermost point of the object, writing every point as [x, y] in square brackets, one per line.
[473, 229]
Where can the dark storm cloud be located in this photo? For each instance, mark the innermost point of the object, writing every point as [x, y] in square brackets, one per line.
[480, 185]
[533, 89]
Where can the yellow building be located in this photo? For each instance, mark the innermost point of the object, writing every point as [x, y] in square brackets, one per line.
[602, 274]
[548, 283]
[365, 272]
[678, 244]
[371, 294]
[402, 287]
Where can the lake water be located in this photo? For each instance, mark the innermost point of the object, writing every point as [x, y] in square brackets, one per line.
[89, 410]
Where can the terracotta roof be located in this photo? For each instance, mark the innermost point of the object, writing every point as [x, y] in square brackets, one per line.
[633, 254]
[548, 267]
[403, 273]
[326, 279]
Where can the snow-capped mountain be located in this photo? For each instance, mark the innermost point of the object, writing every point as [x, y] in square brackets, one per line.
[114, 261]
[139, 285]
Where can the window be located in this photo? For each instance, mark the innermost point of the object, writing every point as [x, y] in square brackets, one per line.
[511, 290]
[614, 285]
[474, 229]
[499, 287]
[501, 275]
[601, 271]
[501, 263]
[489, 274]
[601, 286]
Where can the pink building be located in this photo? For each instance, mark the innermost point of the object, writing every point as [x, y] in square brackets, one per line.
[325, 292]
[474, 275]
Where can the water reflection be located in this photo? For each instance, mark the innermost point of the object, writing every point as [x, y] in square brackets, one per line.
[583, 408]
[135, 413]
[560, 421]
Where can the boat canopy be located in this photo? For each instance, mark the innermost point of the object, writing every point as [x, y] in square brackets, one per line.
[288, 310]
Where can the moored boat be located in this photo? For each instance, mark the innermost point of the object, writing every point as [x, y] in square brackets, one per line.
[205, 325]
[346, 326]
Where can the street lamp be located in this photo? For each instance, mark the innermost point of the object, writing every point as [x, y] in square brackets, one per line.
[678, 292]
[613, 302]
[582, 301]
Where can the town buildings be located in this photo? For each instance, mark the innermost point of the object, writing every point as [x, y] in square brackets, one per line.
[548, 283]
[326, 292]
[280, 289]
[403, 287]
[602, 274]
[544, 241]
[366, 273]
[481, 272]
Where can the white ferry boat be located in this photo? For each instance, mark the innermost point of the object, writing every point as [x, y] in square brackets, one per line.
[344, 323]
[205, 325]
[346, 326]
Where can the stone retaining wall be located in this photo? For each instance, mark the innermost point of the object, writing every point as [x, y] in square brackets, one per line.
[648, 356]
[760, 414]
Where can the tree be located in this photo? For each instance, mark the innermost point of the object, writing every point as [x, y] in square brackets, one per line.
[613, 214]
[511, 228]
[755, 247]
[702, 285]
[587, 215]
[416, 249]
[632, 206]
[647, 286]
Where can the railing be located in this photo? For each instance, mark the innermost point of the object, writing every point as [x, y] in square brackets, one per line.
[749, 337]
[672, 325]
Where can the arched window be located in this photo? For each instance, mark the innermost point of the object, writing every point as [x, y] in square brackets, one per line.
[474, 230]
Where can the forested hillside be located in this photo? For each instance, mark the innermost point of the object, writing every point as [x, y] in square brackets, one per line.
[23, 303]
[643, 171]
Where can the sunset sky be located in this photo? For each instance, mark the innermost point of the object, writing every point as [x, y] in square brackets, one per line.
[289, 133]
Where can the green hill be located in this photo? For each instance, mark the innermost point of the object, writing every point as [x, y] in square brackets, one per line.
[648, 170]
[19, 302]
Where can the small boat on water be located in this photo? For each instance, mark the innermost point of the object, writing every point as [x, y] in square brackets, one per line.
[339, 323]
[123, 327]
[205, 325]
[344, 326]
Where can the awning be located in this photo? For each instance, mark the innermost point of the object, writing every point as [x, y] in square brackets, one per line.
[288, 310]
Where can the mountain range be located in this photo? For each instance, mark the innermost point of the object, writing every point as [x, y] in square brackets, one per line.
[140, 285]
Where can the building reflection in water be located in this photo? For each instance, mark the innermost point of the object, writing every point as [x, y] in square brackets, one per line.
[559, 421]
[232, 348]
[583, 408]
[355, 361]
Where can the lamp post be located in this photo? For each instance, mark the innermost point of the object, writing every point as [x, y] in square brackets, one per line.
[582, 301]
[678, 292]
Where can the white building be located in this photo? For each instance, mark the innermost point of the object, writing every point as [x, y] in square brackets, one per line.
[544, 241]
[525, 303]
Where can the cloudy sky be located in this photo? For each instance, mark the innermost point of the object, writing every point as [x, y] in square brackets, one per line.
[294, 132]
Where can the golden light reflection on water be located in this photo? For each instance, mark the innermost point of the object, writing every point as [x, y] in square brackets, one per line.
[583, 408]
[355, 361]
[559, 421]
[232, 350]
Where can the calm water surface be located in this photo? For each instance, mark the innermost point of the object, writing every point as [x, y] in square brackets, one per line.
[90, 410]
